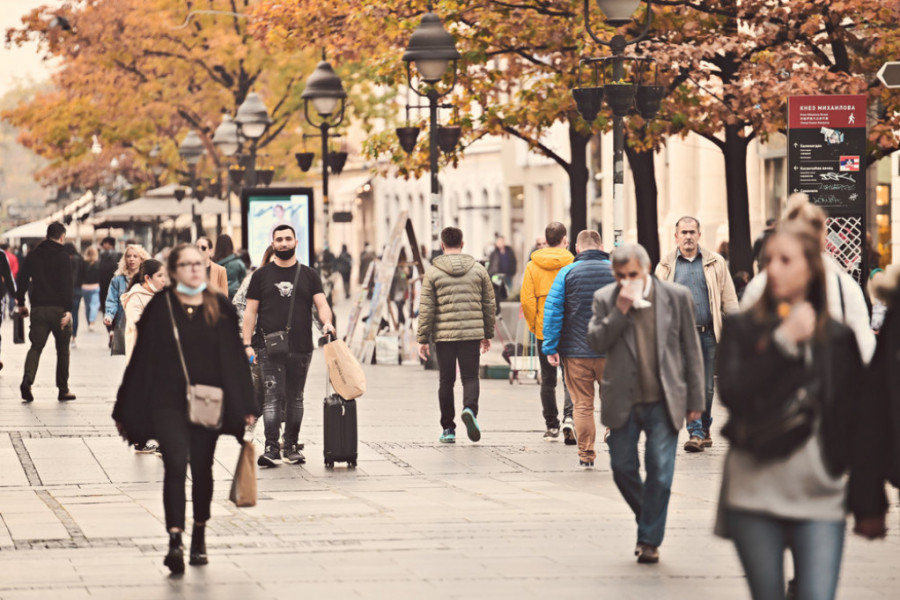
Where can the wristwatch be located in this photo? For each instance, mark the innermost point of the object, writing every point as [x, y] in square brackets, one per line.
[248, 345]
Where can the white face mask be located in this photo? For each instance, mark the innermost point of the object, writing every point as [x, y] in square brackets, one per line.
[152, 287]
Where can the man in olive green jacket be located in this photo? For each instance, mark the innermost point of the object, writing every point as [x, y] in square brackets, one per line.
[457, 311]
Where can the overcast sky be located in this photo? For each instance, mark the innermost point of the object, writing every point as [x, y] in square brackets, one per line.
[20, 64]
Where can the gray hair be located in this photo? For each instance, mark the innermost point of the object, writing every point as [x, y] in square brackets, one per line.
[687, 218]
[626, 252]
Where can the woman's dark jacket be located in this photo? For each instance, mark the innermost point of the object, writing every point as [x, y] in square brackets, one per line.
[755, 376]
[155, 359]
[883, 436]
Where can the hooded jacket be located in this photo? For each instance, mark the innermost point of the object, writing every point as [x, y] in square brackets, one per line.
[48, 270]
[457, 301]
[539, 274]
[235, 271]
[134, 301]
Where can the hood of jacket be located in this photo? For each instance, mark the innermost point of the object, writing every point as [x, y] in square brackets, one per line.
[551, 259]
[137, 290]
[456, 265]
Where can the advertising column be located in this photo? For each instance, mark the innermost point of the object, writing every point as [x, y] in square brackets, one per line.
[826, 161]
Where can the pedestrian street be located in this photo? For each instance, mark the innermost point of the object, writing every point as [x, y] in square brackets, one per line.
[513, 516]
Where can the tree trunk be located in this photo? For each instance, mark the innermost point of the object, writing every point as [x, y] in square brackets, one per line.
[739, 246]
[643, 170]
[578, 180]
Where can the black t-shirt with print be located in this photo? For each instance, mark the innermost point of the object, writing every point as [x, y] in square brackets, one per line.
[273, 287]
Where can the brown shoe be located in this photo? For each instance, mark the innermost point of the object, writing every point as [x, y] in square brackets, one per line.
[647, 554]
[707, 441]
[695, 444]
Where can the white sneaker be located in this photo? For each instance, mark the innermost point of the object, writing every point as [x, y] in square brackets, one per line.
[568, 431]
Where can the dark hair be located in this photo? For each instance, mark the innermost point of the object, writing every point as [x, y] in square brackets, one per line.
[766, 309]
[245, 257]
[211, 308]
[555, 233]
[452, 237]
[148, 268]
[687, 218]
[109, 240]
[224, 247]
[203, 237]
[267, 255]
[282, 227]
[55, 230]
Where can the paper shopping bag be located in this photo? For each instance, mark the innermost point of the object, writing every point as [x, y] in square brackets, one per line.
[344, 371]
[243, 488]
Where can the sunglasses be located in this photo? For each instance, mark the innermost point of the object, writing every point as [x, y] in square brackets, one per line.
[199, 247]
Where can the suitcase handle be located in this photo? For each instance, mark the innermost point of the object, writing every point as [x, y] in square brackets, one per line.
[327, 339]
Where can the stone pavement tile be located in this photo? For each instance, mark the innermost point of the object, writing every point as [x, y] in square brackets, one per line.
[120, 462]
[381, 468]
[278, 567]
[112, 519]
[437, 565]
[27, 517]
[399, 590]
[64, 461]
[37, 568]
[290, 591]
[11, 473]
[43, 593]
[163, 590]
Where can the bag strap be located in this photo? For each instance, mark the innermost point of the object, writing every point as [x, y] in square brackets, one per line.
[841, 294]
[293, 298]
[187, 377]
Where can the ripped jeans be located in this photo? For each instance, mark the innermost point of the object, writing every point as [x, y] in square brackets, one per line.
[283, 379]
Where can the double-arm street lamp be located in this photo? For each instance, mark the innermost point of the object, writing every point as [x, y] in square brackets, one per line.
[620, 95]
[325, 92]
[433, 51]
[191, 151]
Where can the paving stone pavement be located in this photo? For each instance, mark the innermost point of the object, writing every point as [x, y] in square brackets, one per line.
[510, 517]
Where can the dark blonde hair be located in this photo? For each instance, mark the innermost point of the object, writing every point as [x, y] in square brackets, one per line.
[766, 309]
[211, 310]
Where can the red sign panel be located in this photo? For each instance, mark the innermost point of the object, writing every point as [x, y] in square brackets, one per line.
[812, 112]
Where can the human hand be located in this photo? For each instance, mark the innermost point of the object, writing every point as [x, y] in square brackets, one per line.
[693, 415]
[626, 298]
[107, 321]
[66, 319]
[485, 346]
[800, 323]
[424, 351]
[553, 359]
[23, 310]
[329, 328]
[250, 420]
[871, 527]
[251, 353]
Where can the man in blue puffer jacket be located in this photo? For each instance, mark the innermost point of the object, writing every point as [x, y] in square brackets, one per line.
[567, 313]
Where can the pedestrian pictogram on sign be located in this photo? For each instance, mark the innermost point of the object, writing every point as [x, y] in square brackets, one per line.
[889, 74]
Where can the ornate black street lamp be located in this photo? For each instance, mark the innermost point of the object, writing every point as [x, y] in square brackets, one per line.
[325, 92]
[433, 51]
[253, 120]
[191, 151]
[620, 95]
[227, 140]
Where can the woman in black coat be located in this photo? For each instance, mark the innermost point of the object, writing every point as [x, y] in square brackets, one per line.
[783, 483]
[152, 400]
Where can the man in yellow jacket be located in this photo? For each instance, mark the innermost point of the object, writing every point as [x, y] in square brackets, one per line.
[540, 272]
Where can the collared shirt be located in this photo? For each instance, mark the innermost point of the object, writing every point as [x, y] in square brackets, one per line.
[689, 273]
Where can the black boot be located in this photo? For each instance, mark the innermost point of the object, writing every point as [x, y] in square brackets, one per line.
[198, 546]
[175, 558]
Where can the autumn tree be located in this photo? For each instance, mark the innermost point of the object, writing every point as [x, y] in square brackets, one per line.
[137, 73]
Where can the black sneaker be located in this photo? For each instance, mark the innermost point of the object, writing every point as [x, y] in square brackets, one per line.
[585, 464]
[25, 388]
[65, 396]
[292, 455]
[270, 458]
[147, 448]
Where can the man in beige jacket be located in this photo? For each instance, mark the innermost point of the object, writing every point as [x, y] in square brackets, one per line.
[705, 273]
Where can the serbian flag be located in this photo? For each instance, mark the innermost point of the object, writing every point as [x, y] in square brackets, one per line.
[850, 163]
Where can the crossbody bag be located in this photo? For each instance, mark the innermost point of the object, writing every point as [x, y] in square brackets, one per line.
[205, 403]
[277, 343]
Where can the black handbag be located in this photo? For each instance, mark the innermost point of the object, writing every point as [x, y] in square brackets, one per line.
[18, 328]
[278, 342]
[117, 343]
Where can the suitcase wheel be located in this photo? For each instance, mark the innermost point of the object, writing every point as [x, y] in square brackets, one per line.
[351, 464]
[329, 464]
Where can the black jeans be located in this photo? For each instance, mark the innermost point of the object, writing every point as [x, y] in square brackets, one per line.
[283, 380]
[180, 443]
[44, 321]
[468, 354]
[548, 391]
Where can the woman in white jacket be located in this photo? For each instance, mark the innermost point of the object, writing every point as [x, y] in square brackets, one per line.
[150, 279]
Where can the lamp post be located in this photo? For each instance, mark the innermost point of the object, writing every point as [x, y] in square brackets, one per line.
[432, 49]
[191, 150]
[253, 120]
[325, 92]
[227, 140]
[620, 96]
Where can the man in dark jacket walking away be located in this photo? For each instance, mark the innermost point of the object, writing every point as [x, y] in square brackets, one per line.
[503, 262]
[7, 284]
[456, 310]
[567, 313]
[47, 277]
[108, 263]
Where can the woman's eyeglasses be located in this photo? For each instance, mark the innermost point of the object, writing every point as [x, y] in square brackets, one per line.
[203, 248]
[189, 265]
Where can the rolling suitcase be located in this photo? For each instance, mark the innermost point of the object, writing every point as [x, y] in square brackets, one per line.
[339, 427]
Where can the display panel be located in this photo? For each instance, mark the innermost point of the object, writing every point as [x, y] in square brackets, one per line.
[263, 209]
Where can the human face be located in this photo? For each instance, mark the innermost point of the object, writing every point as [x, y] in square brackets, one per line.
[189, 269]
[159, 280]
[284, 239]
[205, 248]
[787, 271]
[687, 237]
[633, 270]
[133, 260]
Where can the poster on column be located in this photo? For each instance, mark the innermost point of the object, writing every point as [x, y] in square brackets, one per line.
[827, 162]
[264, 209]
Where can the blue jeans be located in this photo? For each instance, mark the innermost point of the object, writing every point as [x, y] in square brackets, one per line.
[649, 499]
[816, 546]
[91, 303]
[700, 427]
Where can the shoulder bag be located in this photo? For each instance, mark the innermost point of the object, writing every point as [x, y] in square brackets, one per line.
[278, 342]
[204, 402]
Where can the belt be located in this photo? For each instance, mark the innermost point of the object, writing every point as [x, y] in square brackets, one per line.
[704, 328]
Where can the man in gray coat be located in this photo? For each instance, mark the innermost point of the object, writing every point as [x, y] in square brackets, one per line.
[457, 311]
[652, 381]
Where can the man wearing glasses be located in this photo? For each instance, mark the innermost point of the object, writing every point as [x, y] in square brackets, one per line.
[215, 274]
[273, 289]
